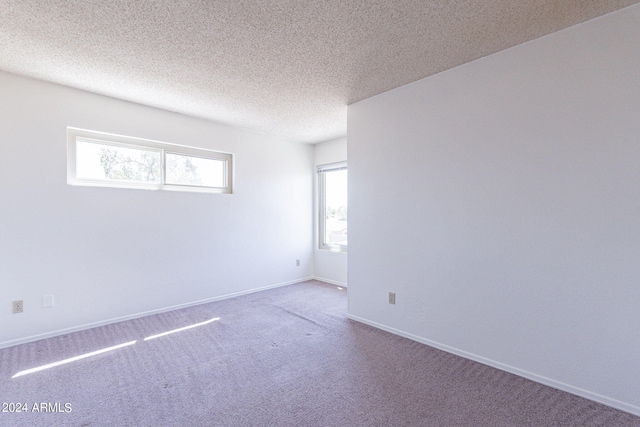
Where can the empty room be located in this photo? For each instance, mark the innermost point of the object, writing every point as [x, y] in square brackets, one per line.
[330, 213]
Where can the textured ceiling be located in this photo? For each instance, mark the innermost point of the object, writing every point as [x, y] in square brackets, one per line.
[282, 67]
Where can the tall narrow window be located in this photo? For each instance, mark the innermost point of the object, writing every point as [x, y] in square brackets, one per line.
[106, 160]
[332, 191]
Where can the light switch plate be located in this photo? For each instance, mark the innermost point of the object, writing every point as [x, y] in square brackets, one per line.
[47, 301]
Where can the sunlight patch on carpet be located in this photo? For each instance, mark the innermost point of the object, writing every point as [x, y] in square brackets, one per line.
[72, 359]
[195, 325]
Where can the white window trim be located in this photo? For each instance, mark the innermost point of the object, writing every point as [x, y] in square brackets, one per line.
[75, 134]
[321, 170]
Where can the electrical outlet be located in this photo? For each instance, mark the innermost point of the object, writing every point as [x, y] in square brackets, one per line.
[18, 306]
[392, 297]
[297, 263]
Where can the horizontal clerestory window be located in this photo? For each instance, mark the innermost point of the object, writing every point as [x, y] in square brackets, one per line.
[106, 160]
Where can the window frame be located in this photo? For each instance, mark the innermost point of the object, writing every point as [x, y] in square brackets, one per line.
[74, 135]
[321, 171]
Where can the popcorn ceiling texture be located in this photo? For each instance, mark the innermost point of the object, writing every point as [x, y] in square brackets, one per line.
[287, 68]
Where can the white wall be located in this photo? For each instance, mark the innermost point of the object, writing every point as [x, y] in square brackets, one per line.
[110, 253]
[330, 266]
[501, 201]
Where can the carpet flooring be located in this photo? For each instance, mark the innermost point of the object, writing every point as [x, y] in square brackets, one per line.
[282, 357]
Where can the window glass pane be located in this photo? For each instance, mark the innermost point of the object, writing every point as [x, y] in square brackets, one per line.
[106, 160]
[198, 171]
[335, 208]
[115, 163]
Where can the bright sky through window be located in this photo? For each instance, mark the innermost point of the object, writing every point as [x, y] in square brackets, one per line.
[332, 193]
[187, 170]
[337, 189]
[102, 162]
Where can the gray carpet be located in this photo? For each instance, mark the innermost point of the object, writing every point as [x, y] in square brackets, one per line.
[283, 357]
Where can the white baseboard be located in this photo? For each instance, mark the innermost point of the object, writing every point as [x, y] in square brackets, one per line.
[331, 282]
[37, 337]
[623, 406]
